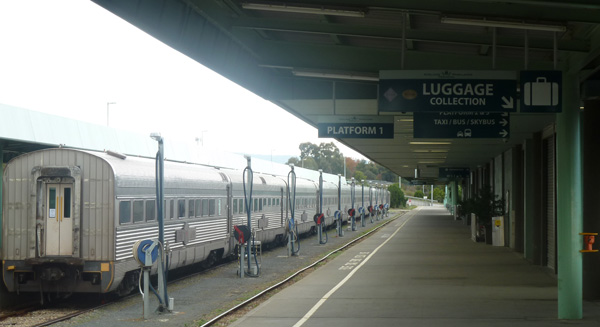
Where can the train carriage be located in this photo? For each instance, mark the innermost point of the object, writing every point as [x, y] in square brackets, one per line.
[70, 218]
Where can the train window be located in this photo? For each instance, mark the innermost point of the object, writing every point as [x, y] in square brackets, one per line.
[255, 205]
[52, 202]
[172, 209]
[269, 202]
[260, 204]
[181, 208]
[219, 207]
[124, 212]
[67, 202]
[211, 206]
[198, 207]
[205, 207]
[138, 211]
[150, 210]
[235, 205]
[277, 201]
[191, 208]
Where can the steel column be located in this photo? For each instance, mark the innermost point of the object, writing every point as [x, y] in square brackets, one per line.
[569, 193]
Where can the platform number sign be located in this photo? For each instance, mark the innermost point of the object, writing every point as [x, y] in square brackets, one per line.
[541, 91]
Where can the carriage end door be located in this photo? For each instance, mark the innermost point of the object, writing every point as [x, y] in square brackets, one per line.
[59, 220]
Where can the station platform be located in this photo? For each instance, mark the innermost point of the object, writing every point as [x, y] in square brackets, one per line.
[420, 270]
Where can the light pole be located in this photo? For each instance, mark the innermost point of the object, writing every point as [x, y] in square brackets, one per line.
[107, 110]
[203, 138]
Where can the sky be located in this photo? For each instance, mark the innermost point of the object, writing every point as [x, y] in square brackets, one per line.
[72, 57]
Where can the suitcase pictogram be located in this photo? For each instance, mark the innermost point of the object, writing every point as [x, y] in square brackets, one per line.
[540, 93]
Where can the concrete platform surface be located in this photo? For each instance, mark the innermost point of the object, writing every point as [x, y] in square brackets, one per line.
[421, 270]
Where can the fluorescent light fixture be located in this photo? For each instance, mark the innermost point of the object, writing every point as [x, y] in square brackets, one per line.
[503, 24]
[406, 119]
[304, 10]
[350, 76]
[430, 143]
[432, 162]
[430, 151]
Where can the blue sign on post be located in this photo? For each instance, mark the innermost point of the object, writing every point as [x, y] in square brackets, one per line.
[446, 125]
[541, 91]
[420, 91]
[356, 130]
[370, 127]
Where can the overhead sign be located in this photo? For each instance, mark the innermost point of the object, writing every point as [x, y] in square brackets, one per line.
[454, 172]
[541, 91]
[428, 90]
[365, 127]
[445, 125]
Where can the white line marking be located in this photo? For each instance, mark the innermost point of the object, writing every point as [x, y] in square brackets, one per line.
[343, 281]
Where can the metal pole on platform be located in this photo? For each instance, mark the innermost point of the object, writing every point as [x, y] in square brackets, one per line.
[362, 214]
[339, 218]
[160, 172]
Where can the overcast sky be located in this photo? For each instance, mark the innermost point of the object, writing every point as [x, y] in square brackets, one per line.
[71, 57]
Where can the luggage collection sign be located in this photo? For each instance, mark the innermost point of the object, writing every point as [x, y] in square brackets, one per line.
[461, 125]
[435, 91]
[477, 91]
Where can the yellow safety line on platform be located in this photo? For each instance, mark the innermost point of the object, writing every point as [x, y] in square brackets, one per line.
[343, 281]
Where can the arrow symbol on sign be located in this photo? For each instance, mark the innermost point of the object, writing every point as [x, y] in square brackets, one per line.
[503, 122]
[504, 114]
[508, 103]
[503, 133]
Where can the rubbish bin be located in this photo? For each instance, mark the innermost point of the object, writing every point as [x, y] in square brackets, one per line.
[498, 231]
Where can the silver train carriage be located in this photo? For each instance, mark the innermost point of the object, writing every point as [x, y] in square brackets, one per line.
[71, 217]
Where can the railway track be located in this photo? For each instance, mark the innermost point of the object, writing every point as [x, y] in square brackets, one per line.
[37, 315]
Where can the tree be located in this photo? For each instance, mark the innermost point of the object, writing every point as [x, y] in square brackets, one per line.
[439, 194]
[328, 157]
[397, 198]
[359, 175]
[419, 194]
